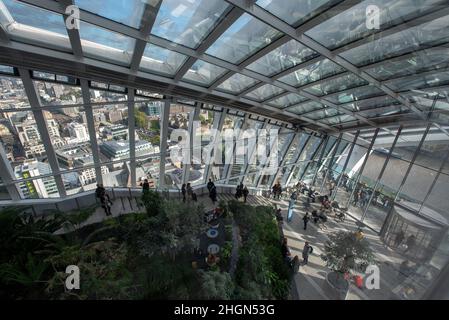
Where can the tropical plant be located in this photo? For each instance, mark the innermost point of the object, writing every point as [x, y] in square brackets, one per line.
[216, 285]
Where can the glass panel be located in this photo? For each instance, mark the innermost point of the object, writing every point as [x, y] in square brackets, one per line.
[246, 36]
[317, 71]
[433, 58]
[106, 96]
[438, 199]
[147, 117]
[188, 22]
[328, 112]
[286, 56]
[203, 73]
[306, 107]
[82, 180]
[339, 119]
[339, 84]
[178, 118]
[361, 105]
[293, 12]
[117, 174]
[434, 32]
[12, 93]
[418, 81]
[58, 94]
[287, 100]
[355, 94]
[33, 25]
[264, 92]
[128, 12]
[417, 185]
[237, 83]
[44, 187]
[379, 112]
[148, 168]
[6, 69]
[351, 24]
[433, 151]
[159, 60]
[106, 45]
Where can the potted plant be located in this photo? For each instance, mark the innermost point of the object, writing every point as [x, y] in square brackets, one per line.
[344, 253]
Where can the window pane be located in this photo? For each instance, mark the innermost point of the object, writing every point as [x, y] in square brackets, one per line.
[419, 81]
[328, 112]
[351, 24]
[106, 45]
[264, 92]
[246, 36]
[319, 70]
[286, 56]
[237, 83]
[341, 83]
[58, 94]
[33, 25]
[306, 107]
[287, 100]
[12, 93]
[188, 22]
[412, 39]
[294, 12]
[355, 94]
[203, 73]
[159, 60]
[128, 12]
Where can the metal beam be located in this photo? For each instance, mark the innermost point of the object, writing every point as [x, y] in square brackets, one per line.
[7, 175]
[194, 117]
[85, 92]
[218, 125]
[331, 161]
[73, 33]
[165, 112]
[132, 136]
[148, 18]
[41, 124]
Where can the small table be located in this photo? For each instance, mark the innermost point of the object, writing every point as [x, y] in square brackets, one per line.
[213, 248]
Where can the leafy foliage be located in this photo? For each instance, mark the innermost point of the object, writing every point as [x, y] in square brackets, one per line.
[344, 252]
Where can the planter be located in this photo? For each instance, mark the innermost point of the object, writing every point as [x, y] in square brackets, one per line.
[335, 286]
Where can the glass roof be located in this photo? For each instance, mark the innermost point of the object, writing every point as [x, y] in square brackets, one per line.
[264, 92]
[237, 83]
[409, 54]
[160, 60]
[203, 73]
[293, 12]
[243, 38]
[286, 56]
[188, 22]
[351, 24]
[128, 12]
[319, 70]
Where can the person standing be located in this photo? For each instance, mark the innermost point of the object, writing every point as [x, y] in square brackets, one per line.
[291, 204]
[210, 185]
[306, 219]
[213, 193]
[145, 186]
[305, 253]
[100, 191]
[245, 193]
[106, 204]
[184, 192]
[189, 192]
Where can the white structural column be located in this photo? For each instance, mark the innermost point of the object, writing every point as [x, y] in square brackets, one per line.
[132, 137]
[216, 141]
[331, 161]
[165, 113]
[194, 118]
[41, 123]
[252, 150]
[85, 91]
[297, 155]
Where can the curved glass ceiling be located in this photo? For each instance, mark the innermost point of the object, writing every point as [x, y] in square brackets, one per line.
[298, 56]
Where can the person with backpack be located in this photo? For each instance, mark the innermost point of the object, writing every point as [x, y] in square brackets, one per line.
[305, 253]
[306, 219]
